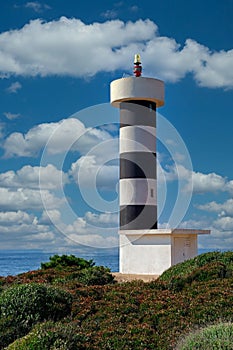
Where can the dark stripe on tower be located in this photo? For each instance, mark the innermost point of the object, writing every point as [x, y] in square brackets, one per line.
[138, 165]
[138, 217]
[135, 113]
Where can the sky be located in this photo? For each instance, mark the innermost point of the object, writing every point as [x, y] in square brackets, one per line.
[59, 134]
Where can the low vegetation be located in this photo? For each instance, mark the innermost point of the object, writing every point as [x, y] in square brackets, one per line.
[212, 337]
[23, 306]
[64, 261]
[96, 313]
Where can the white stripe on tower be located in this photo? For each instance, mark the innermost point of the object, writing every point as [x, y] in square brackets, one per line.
[137, 138]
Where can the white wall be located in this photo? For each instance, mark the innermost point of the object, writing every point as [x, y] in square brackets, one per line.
[147, 254]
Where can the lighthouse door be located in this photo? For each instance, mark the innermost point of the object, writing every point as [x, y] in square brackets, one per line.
[183, 248]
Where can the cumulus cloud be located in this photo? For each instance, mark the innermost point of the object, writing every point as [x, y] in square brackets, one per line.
[20, 230]
[50, 216]
[37, 6]
[103, 219]
[109, 14]
[94, 230]
[97, 230]
[27, 236]
[197, 181]
[207, 182]
[2, 130]
[16, 218]
[27, 199]
[32, 50]
[11, 116]
[88, 172]
[14, 87]
[35, 139]
[221, 209]
[48, 177]
[63, 136]
[224, 224]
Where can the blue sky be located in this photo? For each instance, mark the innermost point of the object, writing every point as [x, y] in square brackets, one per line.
[59, 136]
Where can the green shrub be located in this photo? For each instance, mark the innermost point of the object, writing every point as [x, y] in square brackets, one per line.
[97, 275]
[80, 270]
[213, 337]
[51, 336]
[204, 267]
[213, 270]
[22, 306]
[63, 261]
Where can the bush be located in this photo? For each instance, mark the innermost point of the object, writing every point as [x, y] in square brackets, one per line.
[51, 336]
[22, 306]
[97, 275]
[209, 338]
[204, 267]
[80, 270]
[63, 261]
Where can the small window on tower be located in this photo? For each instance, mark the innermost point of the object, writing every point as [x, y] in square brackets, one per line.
[151, 192]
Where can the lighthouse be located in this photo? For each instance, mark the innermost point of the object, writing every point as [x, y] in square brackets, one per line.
[144, 248]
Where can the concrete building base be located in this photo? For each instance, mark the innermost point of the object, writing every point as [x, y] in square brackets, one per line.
[151, 252]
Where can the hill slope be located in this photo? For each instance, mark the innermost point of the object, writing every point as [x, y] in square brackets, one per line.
[134, 315]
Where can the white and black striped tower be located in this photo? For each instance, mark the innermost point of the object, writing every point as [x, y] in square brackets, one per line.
[144, 248]
[138, 97]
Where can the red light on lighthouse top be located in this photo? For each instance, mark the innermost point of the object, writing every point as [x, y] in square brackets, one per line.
[137, 66]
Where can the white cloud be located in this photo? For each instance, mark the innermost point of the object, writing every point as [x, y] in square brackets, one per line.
[27, 199]
[92, 229]
[224, 224]
[93, 48]
[134, 8]
[95, 140]
[199, 182]
[64, 133]
[2, 130]
[63, 136]
[23, 234]
[11, 116]
[93, 240]
[50, 216]
[37, 6]
[104, 219]
[221, 209]
[109, 14]
[85, 49]
[48, 177]
[16, 218]
[88, 172]
[229, 186]
[19, 222]
[203, 183]
[14, 88]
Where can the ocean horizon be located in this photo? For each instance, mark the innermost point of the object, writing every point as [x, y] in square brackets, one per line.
[14, 262]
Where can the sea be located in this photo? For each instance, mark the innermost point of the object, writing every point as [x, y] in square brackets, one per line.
[14, 262]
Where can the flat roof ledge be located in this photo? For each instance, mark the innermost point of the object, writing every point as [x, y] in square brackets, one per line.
[161, 231]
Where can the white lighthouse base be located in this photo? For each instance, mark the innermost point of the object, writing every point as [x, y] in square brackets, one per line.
[154, 251]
